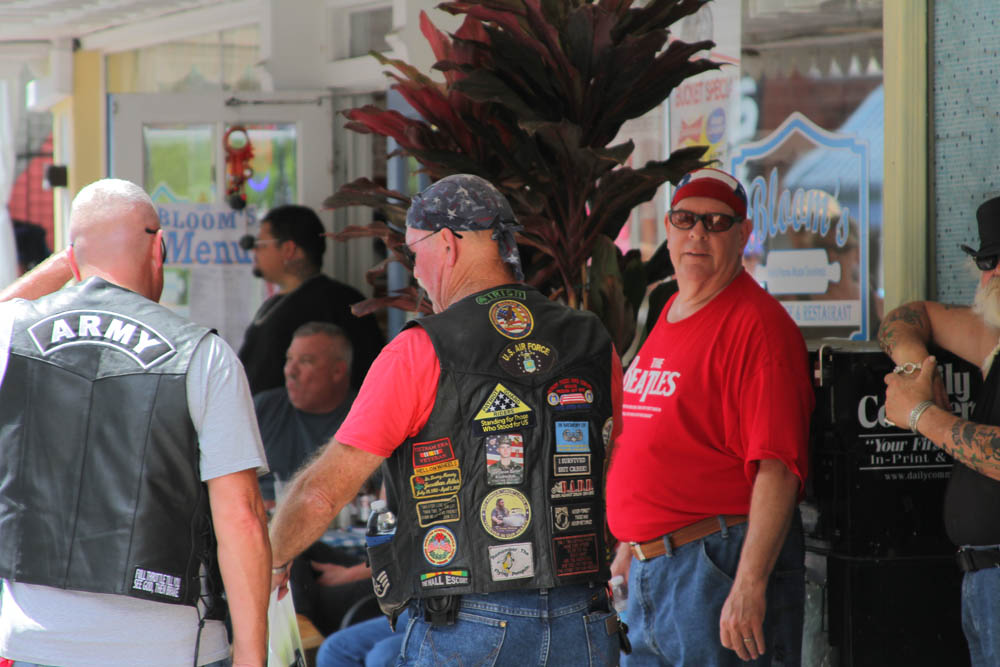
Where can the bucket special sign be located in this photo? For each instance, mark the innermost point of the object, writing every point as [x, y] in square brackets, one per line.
[809, 200]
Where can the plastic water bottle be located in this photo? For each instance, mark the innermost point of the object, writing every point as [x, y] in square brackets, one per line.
[381, 524]
[619, 593]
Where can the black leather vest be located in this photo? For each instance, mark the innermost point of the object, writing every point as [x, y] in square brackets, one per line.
[972, 500]
[99, 470]
[503, 488]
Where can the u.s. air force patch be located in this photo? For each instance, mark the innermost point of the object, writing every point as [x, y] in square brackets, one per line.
[503, 411]
[137, 340]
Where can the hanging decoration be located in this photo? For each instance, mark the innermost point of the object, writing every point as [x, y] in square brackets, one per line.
[238, 169]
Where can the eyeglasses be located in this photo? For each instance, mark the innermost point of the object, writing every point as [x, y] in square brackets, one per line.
[406, 249]
[249, 242]
[713, 222]
[163, 243]
[987, 263]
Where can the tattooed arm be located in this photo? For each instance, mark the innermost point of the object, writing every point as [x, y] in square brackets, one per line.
[906, 332]
[975, 445]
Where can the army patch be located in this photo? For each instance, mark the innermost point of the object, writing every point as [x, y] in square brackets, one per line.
[502, 293]
[511, 318]
[503, 411]
[505, 513]
[573, 437]
[439, 546]
[442, 483]
[572, 517]
[139, 341]
[570, 394]
[575, 554]
[527, 358]
[381, 584]
[572, 488]
[504, 459]
[446, 510]
[606, 430]
[432, 452]
[568, 465]
[444, 579]
[512, 561]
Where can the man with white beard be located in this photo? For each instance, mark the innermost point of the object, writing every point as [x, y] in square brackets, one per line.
[915, 398]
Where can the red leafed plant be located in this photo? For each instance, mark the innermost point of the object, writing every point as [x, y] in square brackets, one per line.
[534, 94]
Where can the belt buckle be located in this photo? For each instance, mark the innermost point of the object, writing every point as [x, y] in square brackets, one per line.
[637, 550]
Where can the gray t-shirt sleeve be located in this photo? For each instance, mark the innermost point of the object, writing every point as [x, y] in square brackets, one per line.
[222, 411]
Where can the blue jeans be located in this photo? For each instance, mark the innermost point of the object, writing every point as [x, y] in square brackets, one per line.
[521, 628]
[675, 603]
[981, 615]
[370, 643]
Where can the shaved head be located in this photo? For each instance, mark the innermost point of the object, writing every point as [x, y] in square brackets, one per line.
[114, 231]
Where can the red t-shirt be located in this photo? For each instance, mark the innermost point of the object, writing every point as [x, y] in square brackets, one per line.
[399, 391]
[704, 400]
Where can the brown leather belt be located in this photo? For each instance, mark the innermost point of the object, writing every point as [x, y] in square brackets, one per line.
[682, 536]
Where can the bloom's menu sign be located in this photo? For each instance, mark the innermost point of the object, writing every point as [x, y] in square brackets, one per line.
[808, 199]
[207, 276]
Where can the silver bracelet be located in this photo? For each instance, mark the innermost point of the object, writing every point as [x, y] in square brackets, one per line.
[280, 569]
[918, 410]
[909, 368]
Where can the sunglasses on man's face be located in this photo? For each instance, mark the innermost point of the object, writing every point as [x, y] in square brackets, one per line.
[713, 222]
[987, 263]
[406, 249]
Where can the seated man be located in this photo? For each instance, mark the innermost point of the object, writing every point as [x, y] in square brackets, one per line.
[295, 421]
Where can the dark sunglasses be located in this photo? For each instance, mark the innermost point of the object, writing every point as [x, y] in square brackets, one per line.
[405, 249]
[163, 243]
[987, 263]
[249, 242]
[713, 222]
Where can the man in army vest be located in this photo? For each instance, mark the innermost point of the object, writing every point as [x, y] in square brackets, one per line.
[128, 461]
[497, 358]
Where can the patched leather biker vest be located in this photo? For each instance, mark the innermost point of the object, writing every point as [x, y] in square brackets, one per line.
[503, 488]
[99, 470]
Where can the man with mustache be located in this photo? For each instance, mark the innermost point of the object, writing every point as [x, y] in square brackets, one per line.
[915, 399]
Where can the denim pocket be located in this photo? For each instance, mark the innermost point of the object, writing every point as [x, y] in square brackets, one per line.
[473, 640]
[602, 647]
[720, 557]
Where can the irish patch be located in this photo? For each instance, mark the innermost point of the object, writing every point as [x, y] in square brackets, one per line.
[439, 546]
[503, 411]
[445, 510]
[527, 357]
[570, 394]
[444, 578]
[505, 513]
[511, 318]
[433, 452]
[572, 517]
[139, 341]
[442, 483]
[502, 293]
[573, 437]
[567, 465]
[572, 488]
[504, 459]
[575, 554]
[512, 561]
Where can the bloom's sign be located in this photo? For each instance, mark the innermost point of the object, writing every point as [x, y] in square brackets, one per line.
[808, 199]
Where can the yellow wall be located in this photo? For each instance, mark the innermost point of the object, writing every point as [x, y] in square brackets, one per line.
[89, 142]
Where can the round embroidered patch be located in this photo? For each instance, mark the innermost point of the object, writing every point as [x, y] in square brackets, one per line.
[511, 318]
[505, 513]
[439, 546]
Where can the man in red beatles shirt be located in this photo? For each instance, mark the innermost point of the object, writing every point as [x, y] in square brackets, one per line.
[705, 476]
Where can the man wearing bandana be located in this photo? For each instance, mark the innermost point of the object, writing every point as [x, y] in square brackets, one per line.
[916, 399]
[524, 591]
